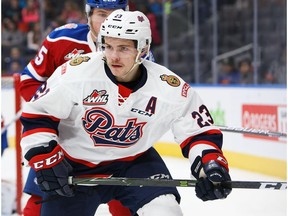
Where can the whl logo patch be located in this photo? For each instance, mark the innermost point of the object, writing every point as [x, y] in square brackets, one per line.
[96, 98]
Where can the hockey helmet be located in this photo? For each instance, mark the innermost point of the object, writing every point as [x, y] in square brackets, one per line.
[131, 25]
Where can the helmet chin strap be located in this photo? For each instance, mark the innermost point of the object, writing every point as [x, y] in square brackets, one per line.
[138, 61]
[128, 72]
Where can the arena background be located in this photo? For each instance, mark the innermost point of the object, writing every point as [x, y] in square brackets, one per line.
[196, 39]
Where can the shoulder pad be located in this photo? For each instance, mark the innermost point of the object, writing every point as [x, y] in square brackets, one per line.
[71, 30]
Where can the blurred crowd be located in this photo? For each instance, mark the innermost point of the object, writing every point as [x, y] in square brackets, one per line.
[21, 27]
[23, 31]
[243, 72]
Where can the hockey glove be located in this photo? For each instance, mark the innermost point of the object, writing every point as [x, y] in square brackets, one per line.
[216, 170]
[51, 169]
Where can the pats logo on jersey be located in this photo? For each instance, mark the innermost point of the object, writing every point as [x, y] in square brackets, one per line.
[96, 98]
[75, 53]
[171, 80]
[103, 130]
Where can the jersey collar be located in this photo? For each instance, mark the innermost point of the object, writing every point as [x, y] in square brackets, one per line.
[140, 84]
[91, 43]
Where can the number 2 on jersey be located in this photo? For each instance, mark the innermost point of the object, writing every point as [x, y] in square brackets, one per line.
[198, 116]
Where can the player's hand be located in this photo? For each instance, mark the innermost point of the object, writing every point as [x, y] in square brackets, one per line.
[216, 170]
[52, 170]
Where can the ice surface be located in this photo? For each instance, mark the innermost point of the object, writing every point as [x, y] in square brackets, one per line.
[241, 202]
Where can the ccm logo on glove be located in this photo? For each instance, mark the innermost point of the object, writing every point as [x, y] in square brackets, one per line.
[39, 162]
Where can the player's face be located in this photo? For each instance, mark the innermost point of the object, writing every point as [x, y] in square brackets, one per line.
[97, 18]
[120, 55]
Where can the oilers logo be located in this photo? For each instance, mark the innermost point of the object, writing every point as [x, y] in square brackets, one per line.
[67, 26]
[101, 127]
[96, 98]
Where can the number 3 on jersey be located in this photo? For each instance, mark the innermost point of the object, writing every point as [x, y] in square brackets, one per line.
[203, 116]
[41, 91]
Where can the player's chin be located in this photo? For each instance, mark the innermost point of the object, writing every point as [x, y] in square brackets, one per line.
[116, 70]
[117, 74]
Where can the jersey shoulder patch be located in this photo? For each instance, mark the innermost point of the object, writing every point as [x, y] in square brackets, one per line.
[173, 84]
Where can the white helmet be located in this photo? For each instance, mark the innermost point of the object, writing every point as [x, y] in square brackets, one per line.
[131, 25]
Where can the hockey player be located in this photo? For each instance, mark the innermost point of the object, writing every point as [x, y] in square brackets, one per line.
[61, 45]
[99, 114]
[65, 43]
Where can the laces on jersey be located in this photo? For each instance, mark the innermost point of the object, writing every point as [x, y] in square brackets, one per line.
[121, 99]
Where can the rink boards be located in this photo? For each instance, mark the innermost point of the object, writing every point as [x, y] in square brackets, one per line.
[246, 107]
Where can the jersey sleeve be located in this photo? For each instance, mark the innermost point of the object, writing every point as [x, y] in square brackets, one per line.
[41, 116]
[28, 88]
[194, 129]
[38, 69]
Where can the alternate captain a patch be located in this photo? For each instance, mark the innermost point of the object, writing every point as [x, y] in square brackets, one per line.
[96, 98]
[171, 80]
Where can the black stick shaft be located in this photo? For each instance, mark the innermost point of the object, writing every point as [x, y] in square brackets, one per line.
[139, 182]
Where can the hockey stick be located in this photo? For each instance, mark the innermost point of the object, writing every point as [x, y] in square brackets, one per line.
[252, 131]
[142, 182]
[15, 118]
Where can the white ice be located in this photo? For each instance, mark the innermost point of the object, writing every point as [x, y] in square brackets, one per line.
[241, 202]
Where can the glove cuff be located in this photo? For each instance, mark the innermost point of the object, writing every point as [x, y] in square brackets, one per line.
[218, 157]
[48, 160]
[196, 167]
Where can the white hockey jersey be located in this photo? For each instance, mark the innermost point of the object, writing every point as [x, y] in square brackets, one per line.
[78, 107]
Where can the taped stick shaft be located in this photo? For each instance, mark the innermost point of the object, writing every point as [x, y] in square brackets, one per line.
[252, 131]
[142, 182]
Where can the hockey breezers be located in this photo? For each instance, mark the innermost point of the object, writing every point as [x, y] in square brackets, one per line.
[142, 182]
